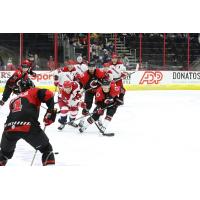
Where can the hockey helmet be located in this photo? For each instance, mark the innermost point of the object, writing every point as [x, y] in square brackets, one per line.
[22, 85]
[71, 62]
[106, 82]
[106, 65]
[79, 59]
[26, 63]
[67, 86]
[114, 55]
[106, 85]
[92, 64]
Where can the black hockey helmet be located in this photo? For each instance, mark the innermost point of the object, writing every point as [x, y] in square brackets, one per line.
[92, 63]
[22, 85]
[105, 82]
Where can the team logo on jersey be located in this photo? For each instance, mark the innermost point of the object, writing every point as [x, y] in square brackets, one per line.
[151, 77]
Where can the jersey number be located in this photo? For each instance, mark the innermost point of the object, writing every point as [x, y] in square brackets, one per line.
[17, 106]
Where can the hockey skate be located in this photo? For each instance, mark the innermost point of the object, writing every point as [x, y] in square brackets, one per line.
[62, 122]
[81, 123]
[99, 122]
[71, 123]
[61, 127]
[82, 129]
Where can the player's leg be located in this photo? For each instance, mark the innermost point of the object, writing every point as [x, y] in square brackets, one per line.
[89, 101]
[72, 116]
[39, 140]
[90, 120]
[8, 145]
[63, 115]
[109, 115]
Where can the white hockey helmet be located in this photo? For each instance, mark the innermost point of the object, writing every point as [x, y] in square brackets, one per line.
[79, 59]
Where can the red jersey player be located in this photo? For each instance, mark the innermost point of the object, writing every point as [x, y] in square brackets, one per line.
[106, 99]
[89, 81]
[22, 122]
[21, 73]
[69, 103]
[107, 71]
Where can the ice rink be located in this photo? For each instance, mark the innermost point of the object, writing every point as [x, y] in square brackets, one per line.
[156, 146]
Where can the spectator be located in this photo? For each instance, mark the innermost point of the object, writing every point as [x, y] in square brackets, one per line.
[125, 60]
[51, 64]
[1, 64]
[106, 57]
[36, 62]
[9, 65]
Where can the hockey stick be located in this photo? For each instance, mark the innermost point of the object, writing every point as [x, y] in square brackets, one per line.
[83, 116]
[101, 131]
[36, 150]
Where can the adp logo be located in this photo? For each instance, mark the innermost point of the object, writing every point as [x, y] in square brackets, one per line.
[151, 77]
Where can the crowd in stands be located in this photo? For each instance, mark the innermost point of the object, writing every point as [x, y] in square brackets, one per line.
[101, 48]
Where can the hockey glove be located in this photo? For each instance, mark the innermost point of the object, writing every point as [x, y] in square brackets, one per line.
[50, 116]
[78, 96]
[108, 101]
[119, 102]
[99, 111]
[82, 105]
[1, 102]
[124, 74]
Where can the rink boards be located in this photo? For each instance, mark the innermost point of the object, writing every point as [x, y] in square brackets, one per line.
[139, 80]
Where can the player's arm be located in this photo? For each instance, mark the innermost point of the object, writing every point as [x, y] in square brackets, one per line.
[46, 96]
[8, 89]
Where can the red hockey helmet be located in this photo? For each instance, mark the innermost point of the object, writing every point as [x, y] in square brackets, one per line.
[26, 63]
[67, 84]
[106, 65]
[71, 62]
[114, 55]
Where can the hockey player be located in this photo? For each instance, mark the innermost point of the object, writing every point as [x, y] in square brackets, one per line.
[81, 66]
[69, 103]
[106, 98]
[22, 122]
[118, 71]
[66, 73]
[21, 73]
[107, 71]
[90, 80]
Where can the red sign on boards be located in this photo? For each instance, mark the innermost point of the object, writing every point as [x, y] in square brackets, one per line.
[151, 77]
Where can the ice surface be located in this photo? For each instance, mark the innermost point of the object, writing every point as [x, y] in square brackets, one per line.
[155, 153]
[152, 127]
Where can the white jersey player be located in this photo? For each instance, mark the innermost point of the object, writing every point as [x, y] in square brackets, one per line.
[118, 72]
[66, 73]
[81, 67]
[69, 103]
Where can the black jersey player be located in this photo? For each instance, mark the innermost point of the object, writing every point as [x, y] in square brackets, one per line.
[22, 72]
[22, 122]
